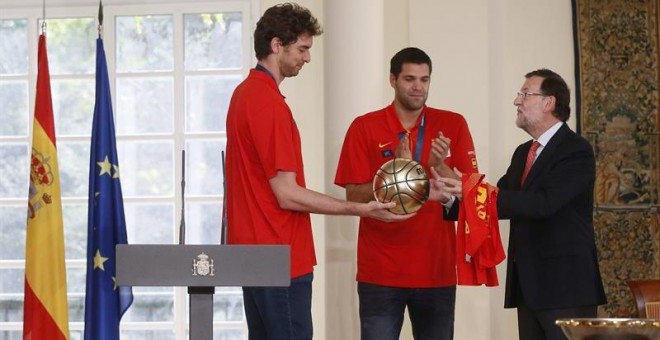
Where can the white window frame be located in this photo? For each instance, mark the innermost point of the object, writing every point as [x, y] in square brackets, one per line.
[33, 12]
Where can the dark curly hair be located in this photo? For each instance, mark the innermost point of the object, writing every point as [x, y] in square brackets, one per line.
[285, 21]
[554, 85]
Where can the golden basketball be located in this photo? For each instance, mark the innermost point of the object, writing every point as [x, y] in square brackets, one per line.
[404, 182]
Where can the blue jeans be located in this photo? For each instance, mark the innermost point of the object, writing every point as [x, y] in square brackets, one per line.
[431, 312]
[279, 313]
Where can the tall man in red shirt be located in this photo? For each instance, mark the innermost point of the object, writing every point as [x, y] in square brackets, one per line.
[407, 264]
[267, 202]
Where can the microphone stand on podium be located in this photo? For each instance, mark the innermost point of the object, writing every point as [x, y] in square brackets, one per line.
[201, 268]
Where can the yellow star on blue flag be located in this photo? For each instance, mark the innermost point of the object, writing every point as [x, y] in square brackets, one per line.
[105, 303]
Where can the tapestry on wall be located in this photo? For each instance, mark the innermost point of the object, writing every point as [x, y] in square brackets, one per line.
[617, 79]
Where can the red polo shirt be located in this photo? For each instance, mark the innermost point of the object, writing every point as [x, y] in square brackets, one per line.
[419, 252]
[262, 139]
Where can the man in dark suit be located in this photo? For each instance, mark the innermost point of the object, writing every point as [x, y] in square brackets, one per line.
[547, 193]
[552, 266]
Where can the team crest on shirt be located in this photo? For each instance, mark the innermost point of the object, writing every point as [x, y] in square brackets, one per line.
[387, 153]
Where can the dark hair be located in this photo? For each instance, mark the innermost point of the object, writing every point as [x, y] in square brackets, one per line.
[554, 85]
[285, 21]
[408, 55]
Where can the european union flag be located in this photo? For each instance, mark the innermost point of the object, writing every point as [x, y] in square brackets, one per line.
[105, 303]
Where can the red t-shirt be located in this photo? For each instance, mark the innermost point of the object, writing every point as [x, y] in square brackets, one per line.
[262, 139]
[419, 252]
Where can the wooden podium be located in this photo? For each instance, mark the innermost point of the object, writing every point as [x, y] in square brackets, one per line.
[201, 268]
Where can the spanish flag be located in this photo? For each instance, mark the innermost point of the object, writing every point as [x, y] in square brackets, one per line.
[45, 312]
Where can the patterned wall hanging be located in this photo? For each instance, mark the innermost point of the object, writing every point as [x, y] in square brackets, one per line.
[617, 95]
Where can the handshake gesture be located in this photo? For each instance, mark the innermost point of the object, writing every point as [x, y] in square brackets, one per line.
[443, 188]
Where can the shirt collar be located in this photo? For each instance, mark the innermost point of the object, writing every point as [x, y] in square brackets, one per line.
[263, 76]
[261, 68]
[547, 135]
[394, 121]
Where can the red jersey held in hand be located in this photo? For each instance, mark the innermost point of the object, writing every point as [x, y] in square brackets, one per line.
[478, 244]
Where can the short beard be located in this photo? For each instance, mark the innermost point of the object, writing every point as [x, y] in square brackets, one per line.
[524, 123]
[410, 104]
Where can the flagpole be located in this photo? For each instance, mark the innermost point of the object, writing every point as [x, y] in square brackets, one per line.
[100, 17]
[43, 18]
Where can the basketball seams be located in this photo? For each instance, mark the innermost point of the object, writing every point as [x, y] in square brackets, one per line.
[402, 181]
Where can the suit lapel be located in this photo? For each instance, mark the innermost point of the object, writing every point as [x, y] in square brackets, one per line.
[546, 155]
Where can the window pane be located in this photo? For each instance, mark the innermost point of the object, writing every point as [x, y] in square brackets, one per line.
[204, 175]
[147, 335]
[228, 307]
[213, 41]
[229, 334]
[12, 232]
[13, 47]
[149, 223]
[14, 108]
[75, 333]
[74, 168]
[13, 335]
[11, 300]
[203, 223]
[151, 307]
[12, 310]
[73, 106]
[71, 45]
[207, 100]
[145, 43]
[146, 168]
[75, 281]
[11, 281]
[77, 307]
[145, 105]
[75, 232]
[14, 170]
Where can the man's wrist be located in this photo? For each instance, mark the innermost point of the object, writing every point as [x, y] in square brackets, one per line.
[450, 202]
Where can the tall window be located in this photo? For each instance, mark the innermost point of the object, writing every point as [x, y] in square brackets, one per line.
[172, 68]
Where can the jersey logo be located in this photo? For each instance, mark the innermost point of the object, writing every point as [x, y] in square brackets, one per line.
[473, 159]
[382, 145]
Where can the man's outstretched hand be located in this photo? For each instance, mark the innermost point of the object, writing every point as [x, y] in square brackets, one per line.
[442, 188]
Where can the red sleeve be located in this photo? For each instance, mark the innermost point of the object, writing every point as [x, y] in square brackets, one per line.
[274, 134]
[463, 155]
[353, 167]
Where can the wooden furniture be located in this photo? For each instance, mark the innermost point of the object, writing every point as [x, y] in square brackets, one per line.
[645, 292]
[653, 310]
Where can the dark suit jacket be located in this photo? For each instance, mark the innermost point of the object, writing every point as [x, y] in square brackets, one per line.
[551, 242]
